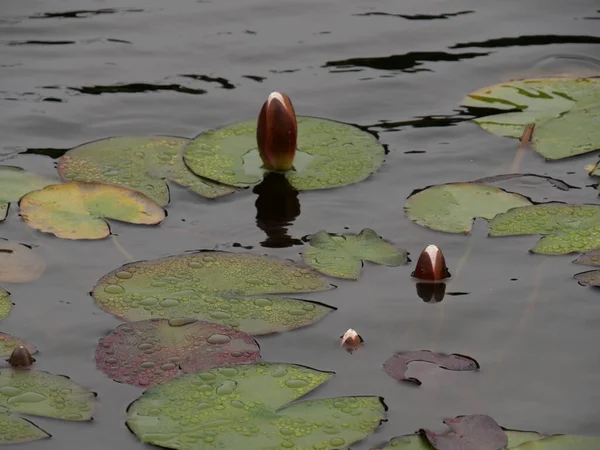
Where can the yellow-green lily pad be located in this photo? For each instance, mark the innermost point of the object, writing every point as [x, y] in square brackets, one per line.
[8, 344]
[140, 163]
[77, 210]
[15, 183]
[5, 304]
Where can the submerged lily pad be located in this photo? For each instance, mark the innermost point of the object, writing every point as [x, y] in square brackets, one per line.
[475, 432]
[15, 183]
[39, 394]
[453, 207]
[140, 163]
[221, 287]
[565, 228]
[152, 351]
[589, 259]
[18, 263]
[8, 344]
[330, 154]
[5, 304]
[396, 366]
[76, 210]
[588, 278]
[245, 407]
[342, 255]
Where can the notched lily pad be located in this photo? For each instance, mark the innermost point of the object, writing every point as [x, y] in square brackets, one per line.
[397, 365]
[588, 278]
[5, 304]
[330, 154]
[149, 352]
[77, 210]
[475, 432]
[19, 263]
[565, 228]
[15, 183]
[453, 207]
[8, 344]
[227, 288]
[140, 163]
[245, 407]
[342, 256]
[591, 258]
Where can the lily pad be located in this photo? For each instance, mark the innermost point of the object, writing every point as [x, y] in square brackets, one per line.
[222, 287]
[418, 441]
[8, 344]
[39, 394]
[18, 263]
[562, 442]
[589, 259]
[76, 210]
[453, 207]
[140, 163]
[152, 351]
[396, 366]
[245, 407]
[15, 183]
[475, 432]
[565, 228]
[330, 154]
[342, 255]
[588, 278]
[5, 304]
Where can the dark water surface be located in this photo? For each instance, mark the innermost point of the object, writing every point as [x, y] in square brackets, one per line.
[74, 71]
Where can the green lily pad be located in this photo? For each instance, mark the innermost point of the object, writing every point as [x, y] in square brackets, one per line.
[342, 255]
[141, 163]
[76, 210]
[245, 407]
[453, 207]
[538, 100]
[221, 287]
[15, 183]
[18, 263]
[330, 154]
[5, 304]
[565, 228]
[8, 344]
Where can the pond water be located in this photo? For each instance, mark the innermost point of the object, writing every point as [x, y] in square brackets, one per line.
[75, 71]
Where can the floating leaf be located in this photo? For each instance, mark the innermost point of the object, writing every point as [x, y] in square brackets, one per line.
[5, 304]
[537, 100]
[16, 430]
[141, 163]
[562, 442]
[330, 154]
[341, 255]
[589, 259]
[565, 228]
[18, 263]
[152, 351]
[418, 441]
[8, 344]
[453, 207]
[588, 278]
[555, 182]
[15, 183]
[221, 287]
[396, 366]
[245, 407]
[76, 210]
[476, 432]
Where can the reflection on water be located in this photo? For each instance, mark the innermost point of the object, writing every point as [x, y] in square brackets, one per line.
[133, 88]
[524, 41]
[431, 292]
[418, 16]
[277, 206]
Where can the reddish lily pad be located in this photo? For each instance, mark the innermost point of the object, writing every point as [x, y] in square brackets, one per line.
[475, 432]
[19, 263]
[153, 351]
[396, 366]
[591, 258]
[5, 304]
[8, 344]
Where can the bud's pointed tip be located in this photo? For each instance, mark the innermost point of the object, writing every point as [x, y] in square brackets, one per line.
[351, 339]
[20, 357]
[431, 265]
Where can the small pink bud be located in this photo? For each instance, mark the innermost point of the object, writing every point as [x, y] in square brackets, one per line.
[20, 357]
[277, 132]
[431, 265]
[351, 339]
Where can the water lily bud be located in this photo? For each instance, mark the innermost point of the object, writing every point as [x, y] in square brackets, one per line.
[431, 265]
[20, 357]
[277, 132]
[351, 339]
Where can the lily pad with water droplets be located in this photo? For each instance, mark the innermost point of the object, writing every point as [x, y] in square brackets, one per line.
[245, 407]
[8, 344]
[15, 183]
[152, 351]
[141, 163]
[565, 228]
[5, 304]
[19, 263]
[77, 210]
[17, 430]
[330, 154]
[453, 207]
[342, 255]
[222, 287]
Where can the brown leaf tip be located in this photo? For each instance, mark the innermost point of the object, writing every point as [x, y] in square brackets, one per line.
[431, 265]
[20, 357]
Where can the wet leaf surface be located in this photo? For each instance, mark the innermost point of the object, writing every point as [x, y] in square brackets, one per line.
[555, 182]
[342, 256]
[591, 258]
[565, 228]
[15, 183]
[330, 154]
[562, 442]
[152, 351]
[476, 432]
[17, 430]
[8, 344]
[5, 304]
[77, 210]
[418, 441]
[141, 163]
[397, 365]
[453, 207]
[19, 263]
[245, 407]
[227, 288]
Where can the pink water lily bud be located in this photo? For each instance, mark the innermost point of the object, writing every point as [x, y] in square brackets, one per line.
[351, 339]
[20, 357]
[431, 265]
[277, 132]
